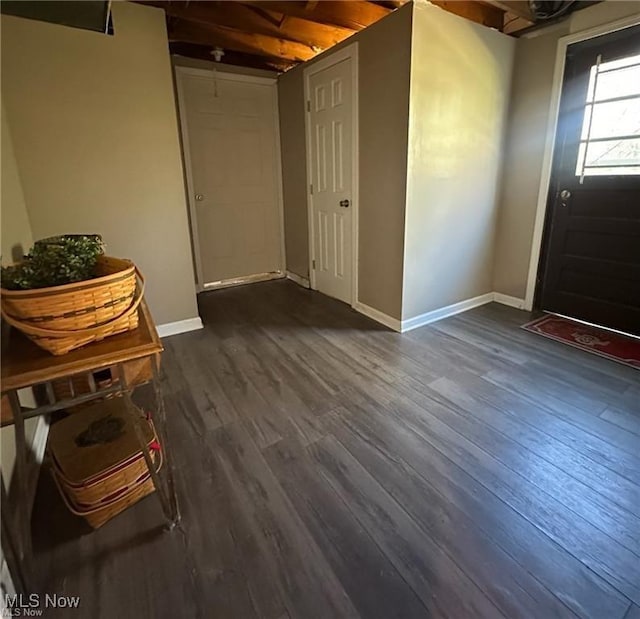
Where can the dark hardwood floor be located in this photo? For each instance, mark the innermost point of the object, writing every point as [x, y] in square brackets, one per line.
[330, 468]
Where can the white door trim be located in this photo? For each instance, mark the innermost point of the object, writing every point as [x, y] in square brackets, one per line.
[348, 52]
[552, 125]
[279, 179]
[181, 73]
[224, 74]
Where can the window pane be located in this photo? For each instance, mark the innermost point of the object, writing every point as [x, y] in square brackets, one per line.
[612, 119]
[607, 155]
[620, 63]
[615, 119]
[619, 83]
[630, 171]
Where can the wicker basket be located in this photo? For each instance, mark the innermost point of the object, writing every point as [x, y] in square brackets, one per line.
[97, 516]
[109, 485]
[100, 477]
[63, 318]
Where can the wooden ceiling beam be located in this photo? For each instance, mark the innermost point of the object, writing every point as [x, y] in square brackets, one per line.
[519, 8]
[350, 15]
[292, 31]
[478, 12]
[237, 41]
[391, 4]
[513, 24]
[203, 52]
[257, 20]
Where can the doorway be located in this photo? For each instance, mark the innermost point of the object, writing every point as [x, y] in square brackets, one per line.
[590, 265]
[332, 142]
[232, 154]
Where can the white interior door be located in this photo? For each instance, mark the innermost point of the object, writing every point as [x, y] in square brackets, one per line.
[232, 143]
[330, 160]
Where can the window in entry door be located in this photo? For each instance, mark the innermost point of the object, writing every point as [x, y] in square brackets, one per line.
[610, 138]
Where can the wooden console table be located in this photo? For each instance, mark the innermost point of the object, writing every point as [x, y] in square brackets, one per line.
[128, 357]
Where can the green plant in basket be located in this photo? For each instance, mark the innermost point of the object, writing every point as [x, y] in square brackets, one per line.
[55, 261]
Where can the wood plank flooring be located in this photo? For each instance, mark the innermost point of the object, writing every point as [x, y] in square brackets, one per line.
[329, 468]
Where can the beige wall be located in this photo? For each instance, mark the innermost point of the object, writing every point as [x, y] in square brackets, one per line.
[603, 13]
[16, 240]
[460, 83]
[95, 134]
[384, 64]
[294, 173]
[14, 220]
[526, 139]
[524, 152]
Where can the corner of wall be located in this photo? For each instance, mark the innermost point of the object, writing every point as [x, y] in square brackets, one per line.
[450, 223]
[131, 188]
[16, 222]
[385, 79]
[407, 183]
[500, 189]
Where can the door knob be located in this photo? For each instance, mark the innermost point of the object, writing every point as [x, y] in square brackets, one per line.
[344, 203]
[565, 194]
[199, 197]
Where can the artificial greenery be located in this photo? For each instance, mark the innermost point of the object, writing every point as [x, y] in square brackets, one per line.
[55, 261]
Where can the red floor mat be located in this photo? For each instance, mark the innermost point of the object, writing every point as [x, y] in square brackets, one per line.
[614, 346]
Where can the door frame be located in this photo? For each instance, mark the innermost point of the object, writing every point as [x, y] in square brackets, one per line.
[180, 74]
[552, 127]
[348, 52]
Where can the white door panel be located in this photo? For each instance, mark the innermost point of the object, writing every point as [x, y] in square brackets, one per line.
[330, 123]
[232, 146]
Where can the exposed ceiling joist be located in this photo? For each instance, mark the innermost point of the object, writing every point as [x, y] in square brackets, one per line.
[514, 24]
[282, 33]
[479, 12]
[351, 15]
[392, 4]
[258, 20]
[237, 41]
[518, 8]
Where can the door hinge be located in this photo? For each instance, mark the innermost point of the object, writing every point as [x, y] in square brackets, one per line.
[313, 265]
[311, 188]
[308, 106]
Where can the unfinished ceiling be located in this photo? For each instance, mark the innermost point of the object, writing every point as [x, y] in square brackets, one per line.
[278, 35]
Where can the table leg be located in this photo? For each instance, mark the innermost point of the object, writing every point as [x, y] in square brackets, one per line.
[136, 419]
[20, 473]
[161, 417]
[8, 539]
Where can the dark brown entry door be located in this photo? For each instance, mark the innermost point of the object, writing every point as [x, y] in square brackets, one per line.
[591, 260]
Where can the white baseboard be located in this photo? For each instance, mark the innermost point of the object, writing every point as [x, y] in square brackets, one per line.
[38, 447]
[298, 279]
[191, 324]
[180, 326]
[505, 299]
[8, 588]
[35, 450]
[39, 443]
[243, 280]
[378, 316]
[445, 312]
